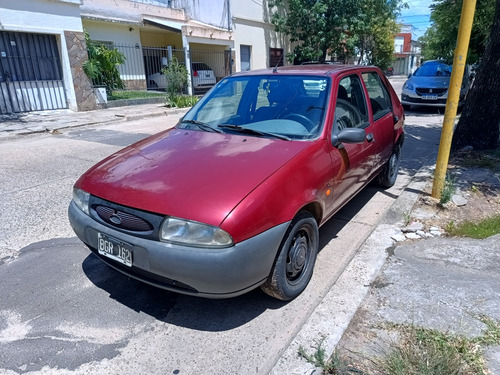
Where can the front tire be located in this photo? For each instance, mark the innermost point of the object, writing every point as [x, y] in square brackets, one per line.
[294, 265]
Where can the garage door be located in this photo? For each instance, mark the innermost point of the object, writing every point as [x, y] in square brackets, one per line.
[30, 73]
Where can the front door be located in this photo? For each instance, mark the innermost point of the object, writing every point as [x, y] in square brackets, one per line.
[352, 163]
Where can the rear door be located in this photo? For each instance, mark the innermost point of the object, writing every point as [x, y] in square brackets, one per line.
[381, 116]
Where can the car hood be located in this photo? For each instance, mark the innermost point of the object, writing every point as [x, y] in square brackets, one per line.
[190, 174]
[430, 82]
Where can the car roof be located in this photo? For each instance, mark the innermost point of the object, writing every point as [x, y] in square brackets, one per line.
[309, 69]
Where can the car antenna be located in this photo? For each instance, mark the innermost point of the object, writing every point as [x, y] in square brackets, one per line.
[275, 69]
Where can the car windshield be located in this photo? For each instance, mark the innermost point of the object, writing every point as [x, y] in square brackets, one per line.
[432, 70]
[288, 107]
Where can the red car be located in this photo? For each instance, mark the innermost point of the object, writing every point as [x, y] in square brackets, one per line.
[232, 197]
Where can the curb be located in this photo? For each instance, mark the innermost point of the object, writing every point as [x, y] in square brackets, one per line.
[331, 318]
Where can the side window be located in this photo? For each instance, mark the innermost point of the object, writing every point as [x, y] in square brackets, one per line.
[350, 110]
[379, 96]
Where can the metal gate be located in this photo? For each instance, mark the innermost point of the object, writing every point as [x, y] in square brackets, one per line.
[30, 73]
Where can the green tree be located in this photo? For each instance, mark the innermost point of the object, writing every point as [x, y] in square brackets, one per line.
[479, 124]
[319, 26]
[102, 65]
[338, 27]
[374, 28]
[440, 39]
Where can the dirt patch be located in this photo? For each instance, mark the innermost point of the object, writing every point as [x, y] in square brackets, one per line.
[477, 193]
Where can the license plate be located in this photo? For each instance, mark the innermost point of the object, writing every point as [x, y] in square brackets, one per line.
[429, 97]
[114, 249]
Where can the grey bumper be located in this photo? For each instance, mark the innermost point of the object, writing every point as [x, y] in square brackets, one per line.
[212, 273]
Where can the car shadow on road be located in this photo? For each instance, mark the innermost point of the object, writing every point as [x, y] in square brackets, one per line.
[187, 311]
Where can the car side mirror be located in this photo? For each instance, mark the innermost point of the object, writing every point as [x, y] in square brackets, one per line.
[349, 135]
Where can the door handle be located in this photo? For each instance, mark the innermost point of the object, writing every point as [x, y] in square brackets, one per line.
[369, 137]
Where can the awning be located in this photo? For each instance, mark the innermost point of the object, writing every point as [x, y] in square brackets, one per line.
[173, 26]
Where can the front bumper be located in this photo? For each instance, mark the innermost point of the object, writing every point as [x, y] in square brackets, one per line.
[211, 273]
[411, 98]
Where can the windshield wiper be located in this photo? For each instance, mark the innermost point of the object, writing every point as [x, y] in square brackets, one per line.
[244, 130]
[203, 126]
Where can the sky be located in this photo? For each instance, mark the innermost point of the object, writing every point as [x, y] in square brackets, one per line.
[418, 15]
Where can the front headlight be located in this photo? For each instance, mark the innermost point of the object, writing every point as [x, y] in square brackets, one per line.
[81, 199]
[191, 233]
[408, 86]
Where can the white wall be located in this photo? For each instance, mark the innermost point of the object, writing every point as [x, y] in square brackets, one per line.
[41, 16]
[252, 27]
[213, 12]
[46, 17]
[112, 32]
[399, 44]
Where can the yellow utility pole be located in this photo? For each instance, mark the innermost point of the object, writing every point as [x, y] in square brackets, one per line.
[457, 73]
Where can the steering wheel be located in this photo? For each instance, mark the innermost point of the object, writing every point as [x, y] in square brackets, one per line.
[303, 120]
[352, 112]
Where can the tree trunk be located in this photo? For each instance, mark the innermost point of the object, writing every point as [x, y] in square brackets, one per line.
[479, 124]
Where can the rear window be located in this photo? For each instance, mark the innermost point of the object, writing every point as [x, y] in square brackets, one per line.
[201, 66]
[433, 69]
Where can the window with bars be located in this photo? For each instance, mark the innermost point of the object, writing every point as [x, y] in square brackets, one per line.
[29, 57]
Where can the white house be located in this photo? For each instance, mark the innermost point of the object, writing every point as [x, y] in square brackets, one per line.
[41, 54]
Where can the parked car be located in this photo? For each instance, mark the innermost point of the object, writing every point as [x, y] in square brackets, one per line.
[428, 86]
[203, 77]
[232, 197]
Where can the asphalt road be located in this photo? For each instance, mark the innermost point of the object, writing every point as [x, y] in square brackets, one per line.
[63, 311]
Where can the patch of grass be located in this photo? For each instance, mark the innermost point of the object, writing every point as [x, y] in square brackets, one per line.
[118, 95]
[483, 229]
[182, 101]
[422, 351]
[334, 364]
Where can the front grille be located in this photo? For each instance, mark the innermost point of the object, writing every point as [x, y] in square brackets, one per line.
[425, 91]
[123, 220]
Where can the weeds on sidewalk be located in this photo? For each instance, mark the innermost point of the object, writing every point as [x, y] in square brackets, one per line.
[333, 364]
[483, 229]
[422, 351]
[448, 190]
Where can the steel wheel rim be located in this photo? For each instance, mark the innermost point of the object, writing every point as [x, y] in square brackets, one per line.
[393, 164]
[298, 256]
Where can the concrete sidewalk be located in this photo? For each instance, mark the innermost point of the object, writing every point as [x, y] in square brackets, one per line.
[52, 121]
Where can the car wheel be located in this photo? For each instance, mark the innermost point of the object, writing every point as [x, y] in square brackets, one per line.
[389, 173]
[294, 264]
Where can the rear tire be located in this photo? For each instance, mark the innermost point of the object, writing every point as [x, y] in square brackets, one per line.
[389, 173]
[294, 265]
